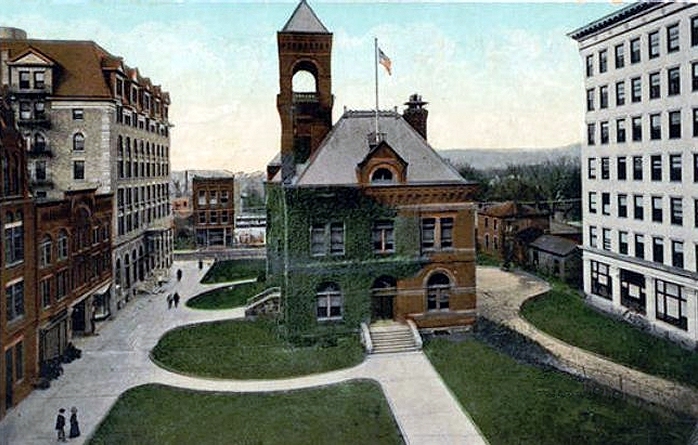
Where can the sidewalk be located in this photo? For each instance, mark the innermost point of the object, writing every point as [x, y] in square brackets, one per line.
[117, 359]
[500, 295]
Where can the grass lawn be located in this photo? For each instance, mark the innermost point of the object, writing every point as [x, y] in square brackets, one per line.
[250, 350]
[514, 403]
[563, 314]
[228, 297]
[231, 270]
[347, 413]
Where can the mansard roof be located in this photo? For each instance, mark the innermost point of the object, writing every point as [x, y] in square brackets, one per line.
[347, 145]
[304, 20]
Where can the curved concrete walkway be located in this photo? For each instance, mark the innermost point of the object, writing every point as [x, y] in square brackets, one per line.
[500, 296]
[118, 359]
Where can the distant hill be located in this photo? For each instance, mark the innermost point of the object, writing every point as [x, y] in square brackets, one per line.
[491, 158]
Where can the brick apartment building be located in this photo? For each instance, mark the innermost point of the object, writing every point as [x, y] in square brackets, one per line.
[213, 210]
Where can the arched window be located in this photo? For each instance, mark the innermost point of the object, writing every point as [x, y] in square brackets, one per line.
[62, 245]
[438, 292]
[45, 251]
[78, 142]
[487, 241]
[329, 302]
[304, 82]
[382, 176]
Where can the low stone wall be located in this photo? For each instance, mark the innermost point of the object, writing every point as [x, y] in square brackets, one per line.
[221, 254]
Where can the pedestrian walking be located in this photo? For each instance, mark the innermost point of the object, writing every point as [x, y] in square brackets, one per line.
[93, 315]
[201, 264]
[169, 301]
[179, 274]
[60, 425]
[74, 427]
[176, 299]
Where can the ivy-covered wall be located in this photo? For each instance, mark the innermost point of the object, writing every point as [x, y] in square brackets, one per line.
[355, 271]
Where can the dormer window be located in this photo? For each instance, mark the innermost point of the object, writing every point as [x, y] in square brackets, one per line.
[39, 80]
[119, 87]
[382, 176]
[24, 80]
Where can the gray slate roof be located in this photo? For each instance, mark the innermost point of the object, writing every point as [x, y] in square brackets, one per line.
[346, 146]
[554, 244]
[304, 20]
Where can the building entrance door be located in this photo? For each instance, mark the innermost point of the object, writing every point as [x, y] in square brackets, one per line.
[8, 378]
[78, 317]
[382, 297]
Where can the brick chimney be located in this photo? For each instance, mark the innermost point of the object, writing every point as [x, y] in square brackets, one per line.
[416, 115]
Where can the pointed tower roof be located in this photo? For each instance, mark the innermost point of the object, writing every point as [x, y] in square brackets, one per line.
[304, 20]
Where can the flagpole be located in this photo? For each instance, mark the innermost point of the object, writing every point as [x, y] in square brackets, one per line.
[375, 56]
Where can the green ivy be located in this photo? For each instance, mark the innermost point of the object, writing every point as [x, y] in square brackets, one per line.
[354, 272]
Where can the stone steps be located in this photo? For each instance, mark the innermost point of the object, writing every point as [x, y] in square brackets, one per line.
[391, 338]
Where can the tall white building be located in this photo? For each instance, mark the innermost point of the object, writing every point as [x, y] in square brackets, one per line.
[640, 165]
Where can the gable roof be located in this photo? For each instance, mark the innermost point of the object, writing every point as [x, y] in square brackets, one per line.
[511, 209]
[347, 145]
[304, 20]
[554, 244]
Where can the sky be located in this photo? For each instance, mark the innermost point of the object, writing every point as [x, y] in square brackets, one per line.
[495, 75]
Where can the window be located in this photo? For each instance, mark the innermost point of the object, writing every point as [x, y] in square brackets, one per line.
[78, 114]
[603, 96]
[40, 170]
[45, 252]
[601, 283]
[25, 110]
[62, 245]
[623, 242]
[61, 284]
[695, 167]
[670, 304]
[78, 142]
[620, 131]
[590, 99]
[605, 168]
[590, 65]
[604, 133]
[622, 206]
[657, 209]
[329, 302]
[606, 238]
[632, 290]
[593, 236]
[639, 245]
[695, 122]
[438, 292]
[225, 197]
[694, 76]
[39, 110]
[606, 203]
[637, 168]
[677, 254]
[202, 198]
[658, 249]
[676, 208]
[39, 83]
[675, 168]
[603, 61]
[337, 238]
[622, 168]
[655, 91]
[637, 128]
[383, 237]
[45, 293]
[592, 202]
[674, 124]
[620, 56]
[656, 167]
[635, 89]
[653, 44]
[14, 239]
[24, 77]
[591, 133]
[635, 50]
[14, 295]
[213, 197]
[672, 38]
[382, 176]
[694, 31]
[638, 208]
[674, 81]
[79, 170]
[446, 235]
[620, 93]
[428, 233]
[655, 126]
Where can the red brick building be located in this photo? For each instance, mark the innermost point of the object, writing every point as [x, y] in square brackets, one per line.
[214, 210]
